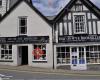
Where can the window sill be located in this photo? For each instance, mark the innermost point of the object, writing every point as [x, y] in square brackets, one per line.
[6, 60]
[37, 61]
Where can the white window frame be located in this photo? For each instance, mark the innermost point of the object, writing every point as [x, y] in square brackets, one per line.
[19, 27]
[37, 60]
[74, 27]
[63, 61]
[93, 57]
[8, 49]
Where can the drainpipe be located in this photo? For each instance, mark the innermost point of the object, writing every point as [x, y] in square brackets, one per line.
[53, 45]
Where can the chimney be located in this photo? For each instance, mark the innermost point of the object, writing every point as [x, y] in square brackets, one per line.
[30, 1]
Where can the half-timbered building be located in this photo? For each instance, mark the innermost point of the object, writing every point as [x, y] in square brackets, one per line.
[77, 36]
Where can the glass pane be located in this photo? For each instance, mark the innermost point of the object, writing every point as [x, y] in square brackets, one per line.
[10, 51]
[3, 46]
[23, 30]
[67, 49]
[81, 61]
[2, 56]
[6, 51]
[2, 52]
[22, 22]
[63, 55]
[58, 49]
[62, 49]
[10, 46]
[74, 49]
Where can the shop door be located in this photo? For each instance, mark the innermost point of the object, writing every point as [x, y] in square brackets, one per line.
[23, 54]
[78, 58]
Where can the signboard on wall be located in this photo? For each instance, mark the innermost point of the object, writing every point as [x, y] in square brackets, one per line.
[79, 38]
[24, 39]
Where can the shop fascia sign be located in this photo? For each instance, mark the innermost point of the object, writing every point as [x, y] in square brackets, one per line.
[24, 39]
[79, 38]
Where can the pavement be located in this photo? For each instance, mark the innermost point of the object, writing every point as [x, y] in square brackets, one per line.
[26, 68]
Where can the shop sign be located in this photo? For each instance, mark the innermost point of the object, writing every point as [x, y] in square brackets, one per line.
[79, 38]
[24, 39]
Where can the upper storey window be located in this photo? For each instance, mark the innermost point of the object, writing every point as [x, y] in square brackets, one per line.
[22, 25]
[79, 24]
[0, 2]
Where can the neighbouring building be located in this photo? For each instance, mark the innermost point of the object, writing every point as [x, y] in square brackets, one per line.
[5, 5]
[70, 41]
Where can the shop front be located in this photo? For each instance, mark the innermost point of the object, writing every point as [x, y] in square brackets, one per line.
[25, 50]
[78, 52]
[77, 57]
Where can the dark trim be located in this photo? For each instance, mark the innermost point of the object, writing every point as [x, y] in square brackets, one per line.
[72, 23]
[67, 26]
[87, 23]
[80, 11]
[96, 27]
[39, 61]
[53, 47]
[91, 24]
[58, 28]
[67, 20]
[93, 20]
[82, 7]
[6, 61]
[63, 27]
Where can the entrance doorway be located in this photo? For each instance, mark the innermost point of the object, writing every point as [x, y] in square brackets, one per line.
[23, 53]
[78, 58]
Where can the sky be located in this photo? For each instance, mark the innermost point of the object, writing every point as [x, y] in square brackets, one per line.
[53, 7]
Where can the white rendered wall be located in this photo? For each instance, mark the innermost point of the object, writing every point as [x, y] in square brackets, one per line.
[36, 27]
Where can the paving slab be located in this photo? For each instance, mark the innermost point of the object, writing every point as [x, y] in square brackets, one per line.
[47, 70]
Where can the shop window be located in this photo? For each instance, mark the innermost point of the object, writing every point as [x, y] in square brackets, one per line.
[0, 2]
[22, 25]
[6, 52]
[63, 55]
[79, 24]
[39, 52]
[93, 54]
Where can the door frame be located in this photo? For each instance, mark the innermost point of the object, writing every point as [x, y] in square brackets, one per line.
[78, 66]
[20, 53]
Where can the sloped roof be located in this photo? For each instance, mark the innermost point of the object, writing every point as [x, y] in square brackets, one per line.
[30, 5]
[87, 3]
